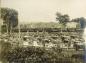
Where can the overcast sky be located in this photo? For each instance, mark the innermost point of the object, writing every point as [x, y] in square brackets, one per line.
[45, 10]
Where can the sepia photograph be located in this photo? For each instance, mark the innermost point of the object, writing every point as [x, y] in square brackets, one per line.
[42, 31]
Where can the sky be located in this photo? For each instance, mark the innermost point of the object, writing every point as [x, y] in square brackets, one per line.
[45, 10]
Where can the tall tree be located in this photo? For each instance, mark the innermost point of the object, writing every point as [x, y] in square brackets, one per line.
[10, 17]
[63, 19]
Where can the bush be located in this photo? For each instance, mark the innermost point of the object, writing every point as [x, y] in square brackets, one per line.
[35, 55]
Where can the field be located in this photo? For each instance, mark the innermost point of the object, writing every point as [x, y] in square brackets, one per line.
[42, 47]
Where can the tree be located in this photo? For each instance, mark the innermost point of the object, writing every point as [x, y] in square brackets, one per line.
[63, 19]
[82, 21]
[10, 17]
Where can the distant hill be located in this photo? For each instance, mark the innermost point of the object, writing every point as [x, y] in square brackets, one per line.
[41, 25]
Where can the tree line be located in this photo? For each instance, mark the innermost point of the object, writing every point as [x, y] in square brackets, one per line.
[64, 19]
[10, 19]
